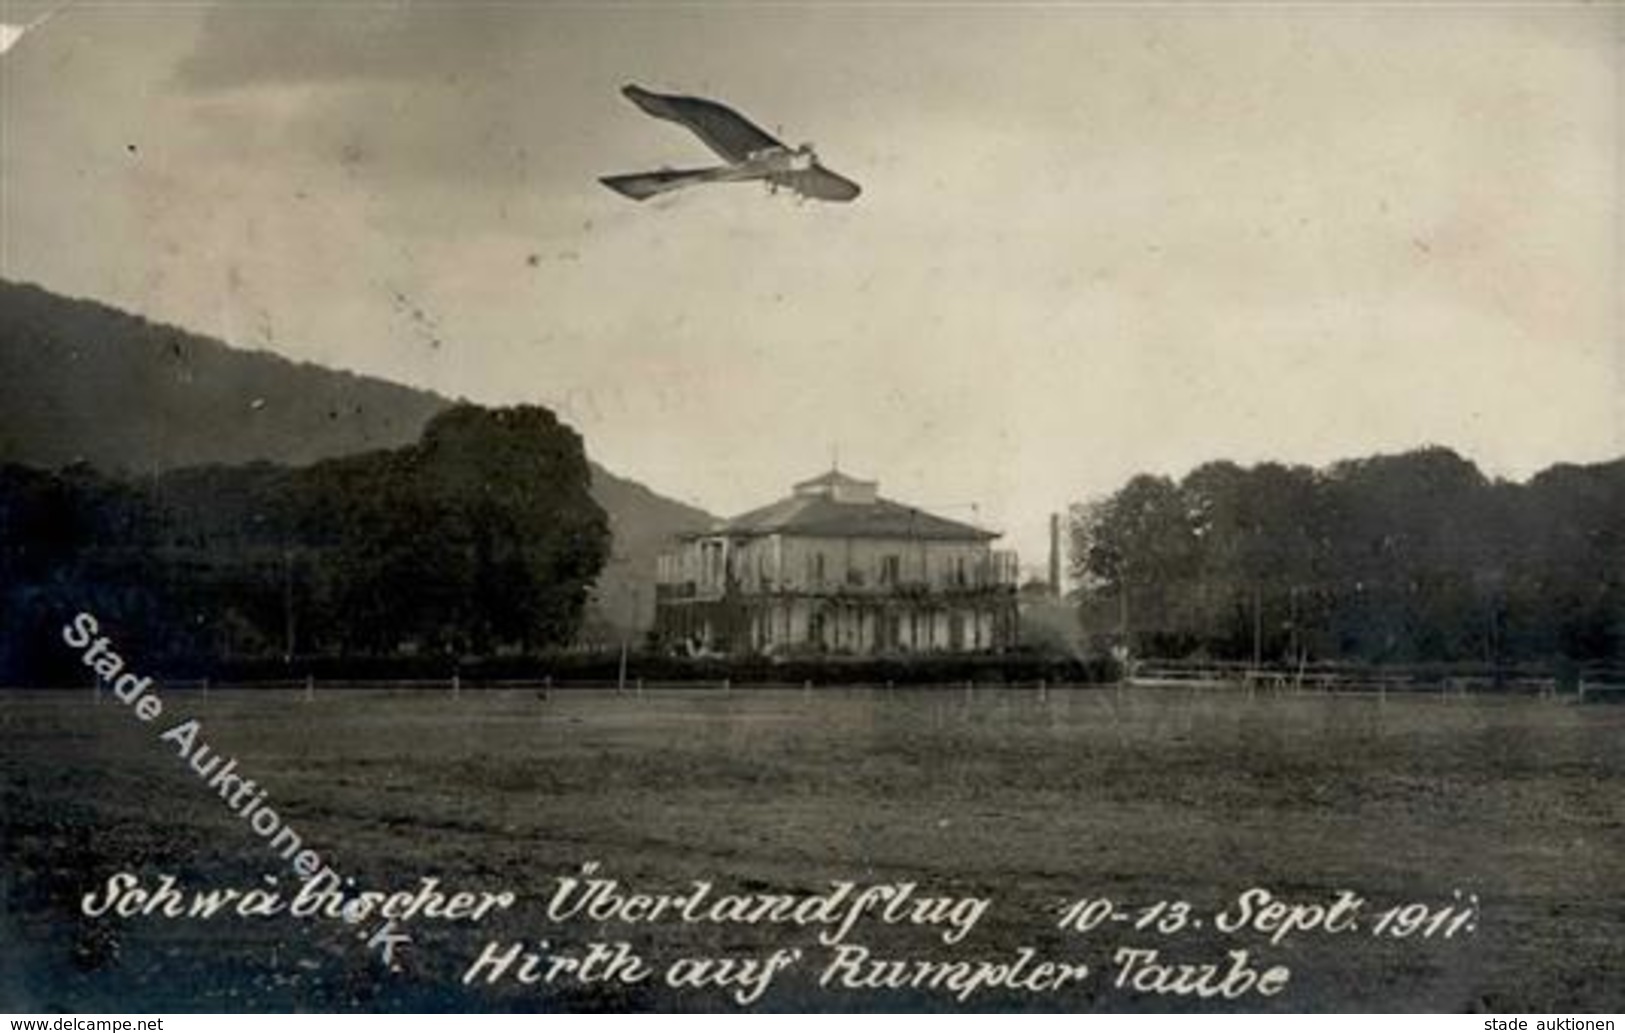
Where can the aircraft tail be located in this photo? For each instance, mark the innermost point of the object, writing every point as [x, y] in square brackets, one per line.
[640, 186]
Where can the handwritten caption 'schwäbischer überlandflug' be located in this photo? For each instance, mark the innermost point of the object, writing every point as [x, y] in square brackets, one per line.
[821, 937]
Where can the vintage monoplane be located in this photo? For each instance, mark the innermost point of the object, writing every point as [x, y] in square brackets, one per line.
[752, 154]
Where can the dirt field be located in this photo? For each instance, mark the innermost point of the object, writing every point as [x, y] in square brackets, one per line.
[1031, 800]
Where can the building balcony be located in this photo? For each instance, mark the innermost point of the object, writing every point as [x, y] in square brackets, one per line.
[998, 573]
[836, 590]
[682, 591]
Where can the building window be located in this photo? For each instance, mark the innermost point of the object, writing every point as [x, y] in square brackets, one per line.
[891, 570]
[892, 631]
[815, 630]
[815, 568]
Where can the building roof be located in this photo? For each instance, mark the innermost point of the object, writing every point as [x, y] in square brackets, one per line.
[837, 506]
[839, 487]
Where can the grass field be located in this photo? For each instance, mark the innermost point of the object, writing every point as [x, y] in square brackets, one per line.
[1032, 800]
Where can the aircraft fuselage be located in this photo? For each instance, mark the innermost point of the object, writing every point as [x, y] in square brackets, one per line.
[774, 161]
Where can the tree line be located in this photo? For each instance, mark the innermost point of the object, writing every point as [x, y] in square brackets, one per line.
[1408, 558]
[480, 538]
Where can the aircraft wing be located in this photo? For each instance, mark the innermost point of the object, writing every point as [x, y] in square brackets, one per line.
[818, 182]
[733, 136]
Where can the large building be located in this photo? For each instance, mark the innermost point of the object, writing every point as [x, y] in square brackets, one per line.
[835, 568]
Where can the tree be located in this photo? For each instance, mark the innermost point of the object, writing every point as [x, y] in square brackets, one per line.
[1401, 558]
[482, 537]
[1138, 546]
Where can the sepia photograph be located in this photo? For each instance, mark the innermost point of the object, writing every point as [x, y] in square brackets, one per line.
[812, 507]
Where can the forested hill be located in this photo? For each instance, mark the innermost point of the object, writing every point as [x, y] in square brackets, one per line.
[80, 381]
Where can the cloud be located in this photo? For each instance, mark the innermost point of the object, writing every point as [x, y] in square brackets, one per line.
[473, 105]
[244, 45]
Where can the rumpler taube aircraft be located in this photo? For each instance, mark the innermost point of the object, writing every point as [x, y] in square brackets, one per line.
[751, 153]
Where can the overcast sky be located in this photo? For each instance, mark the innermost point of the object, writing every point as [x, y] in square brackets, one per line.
[1093, 240]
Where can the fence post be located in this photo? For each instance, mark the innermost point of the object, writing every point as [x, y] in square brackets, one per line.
[310, 687]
